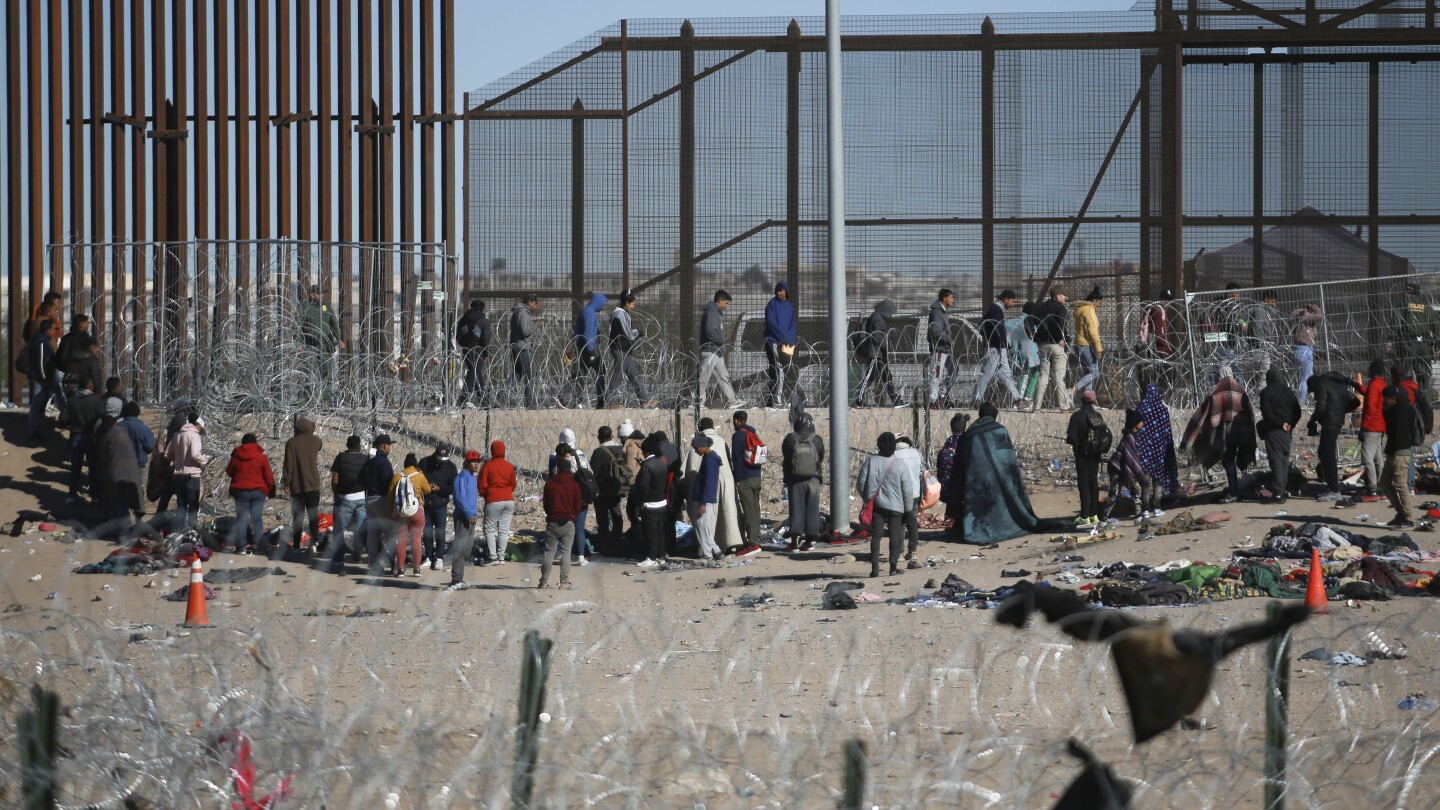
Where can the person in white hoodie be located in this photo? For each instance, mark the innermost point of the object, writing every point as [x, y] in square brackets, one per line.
[907, 454]
[187, 461]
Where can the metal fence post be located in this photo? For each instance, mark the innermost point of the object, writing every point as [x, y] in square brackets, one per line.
[1190, 335]
[1277, 723]
[1324, 325]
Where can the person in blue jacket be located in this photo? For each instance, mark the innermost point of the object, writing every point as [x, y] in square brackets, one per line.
[585, 353]
[780, 336]
[467, 510]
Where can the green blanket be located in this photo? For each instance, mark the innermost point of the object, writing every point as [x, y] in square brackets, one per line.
[993, 503]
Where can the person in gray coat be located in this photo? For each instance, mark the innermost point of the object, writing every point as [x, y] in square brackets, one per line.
[887, 480]
[623, 337]
[915, 468]
[942, 370]
[522, 326]
[712, 350]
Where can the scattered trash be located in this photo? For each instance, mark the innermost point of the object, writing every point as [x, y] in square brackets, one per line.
[1362, 518]
[1418, 702]
[837, 596]
[35, 578]
[1016, 574]
[841, 559]
[755, 600]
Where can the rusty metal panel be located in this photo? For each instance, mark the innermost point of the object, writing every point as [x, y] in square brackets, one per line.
[263, 121]
[284, 132]
[14, 236]
[138, 192]
[55, 25]
[77, 146]
[303, 117]
[427, 157]
[447, 129]
[223, 285]
[405, 180]
[35, 151]
[98, 263]
[118, 181]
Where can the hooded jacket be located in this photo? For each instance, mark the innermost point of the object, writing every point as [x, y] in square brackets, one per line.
[1278, 404]
[942, 340]
[1051, 318]
[522, 326]
[878, 327]
[887, 479]
[467, 496]
[301, 468]
[913, 461]
[141, 438]
[587, 323]
[441, 475]
[623, 333]
[473, 330]
[497, 476]
[1078, 427]
[652, 484]
[561, 498]
[249, 470]
[787, 455]
[712, 329]
[992, 327]
[1087, 326]
[1401, 430]
[40, 355]
[1372, 418]
[184, 452]
[780, 326]
[1335, 396]
[375, 475]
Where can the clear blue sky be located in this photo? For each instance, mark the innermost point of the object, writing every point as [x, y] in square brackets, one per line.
[496, 38]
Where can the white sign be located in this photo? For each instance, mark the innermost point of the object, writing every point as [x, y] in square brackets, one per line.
[438, 295]
[1216, 337]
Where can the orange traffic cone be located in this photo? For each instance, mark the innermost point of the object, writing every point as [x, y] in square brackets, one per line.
[1315, 597]
[195, 615]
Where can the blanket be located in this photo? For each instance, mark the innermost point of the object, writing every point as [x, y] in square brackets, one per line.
[993, 503]
[1225, 420]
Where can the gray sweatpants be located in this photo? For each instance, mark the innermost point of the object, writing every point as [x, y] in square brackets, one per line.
[561, 536]
[458, 554]
[497, 527]
[713, 364]
[805, 508]
[1372, 455]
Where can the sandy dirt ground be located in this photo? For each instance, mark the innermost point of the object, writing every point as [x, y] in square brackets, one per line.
[664, 691]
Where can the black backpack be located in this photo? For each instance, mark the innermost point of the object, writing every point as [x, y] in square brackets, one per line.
[589, 487]
[1098, 439]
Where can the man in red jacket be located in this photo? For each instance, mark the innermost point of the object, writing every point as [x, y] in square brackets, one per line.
[497, 488]
[1372, 427]
[562, 503]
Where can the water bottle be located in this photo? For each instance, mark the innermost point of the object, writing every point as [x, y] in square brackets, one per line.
[784, 494]
[1055, 464]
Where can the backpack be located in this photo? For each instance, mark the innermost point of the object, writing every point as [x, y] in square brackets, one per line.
[756, 453]
[860, 344]
[406, 504]
[22, 360]
[805, 463]
[589, 487]
[1097, 439]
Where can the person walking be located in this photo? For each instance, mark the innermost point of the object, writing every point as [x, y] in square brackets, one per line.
[1087, 340]
[1307, 324]
[1089, 439]
[1052, 317]
[1415, 328]
[1279, 414]
[997, 351]
[251, 483]
[623, 337]
[407, 493]
[1335, 396]
[1126, 471]
[607, 462]
[585, 354]
[467, 514]
[652, 495]
[781, 334]
[878, 382]
[348, 489]
[561, 501]
[1372, 426]
[915, 467]
[47, 309]
[749, 455]
[78, 354]
[1024, 351]
[1402, 433]
[712, 350]
[802, 456]
[885, 486]
[376, 476]
[440, 471]
[301, 479]
[522, 326]
[39, 366]
[187, 462]
[704, 496]
[497, 487]
[473, 335]
[940, 333]
[121, 504]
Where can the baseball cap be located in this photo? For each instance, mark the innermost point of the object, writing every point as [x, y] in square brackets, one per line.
[472, 455]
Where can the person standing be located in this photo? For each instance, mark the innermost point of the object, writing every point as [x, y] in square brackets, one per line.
[945, 468]
[802, 456]
[497, 487]
[1416, 329]
[467, 513]
[884, 480]
[633, 456]
[1223, 430]
[349, 493]
[1052, 317]
[712, 350]
[142, 439]
[121, 504]
[585, 478]
[375, 475]
[187, 462]
[1372, 426]
[704, 496]
[320, 330]
[1335, 396]
[440, 471]
[1307, 323]
[1089, 438]
[78, 354]
[941, 335]
[748, 453]
[997, 351]
[623, 337]
[1401, 376]
[914, 466]
[585, 352]
[1087, 340]
[781, 333]
[40, 371]
[522, 326]
[1402, 433]
[47, 309]
[301, 480]
[473, 336]
[727, 518]
[652, 496]
[251, 483]
[561, 501]
[606, 462]
[878, 381]
[1279, 414]
[408, 491]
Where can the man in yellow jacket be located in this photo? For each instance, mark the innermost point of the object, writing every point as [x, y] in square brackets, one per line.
[1087, 340]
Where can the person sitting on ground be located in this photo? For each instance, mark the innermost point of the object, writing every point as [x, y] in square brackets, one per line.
[251, 482]
[409, 525]
[1126, 470]
[1223, 430]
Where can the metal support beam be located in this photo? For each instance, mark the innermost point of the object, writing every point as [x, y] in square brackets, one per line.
[1172, 260]
[304, 159]
[792, 158]
[839, 362]
[1147, 157]
[448, 203]
[1373, 171]
[56, 146]
[687, 183]
[577, 207]
[325, 158]
[284, 131]
[1263, 13]
[624, 157]
[1257, 177]
[14, 233]
[35, 151]
[987, 164]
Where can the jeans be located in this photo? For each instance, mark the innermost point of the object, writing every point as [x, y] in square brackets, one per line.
[187, 497]
[82, 454]
[1329, 457]
[378, 528]
[880, 520]
[1232, 473]
[1393, 484]
[747, 492]
[805, 508]
[1087, 476]
[623, 365]
[39, 396]
[997, 361]
[1089, 370]
[943, 371]
[777, 370]
[249, 514]
[305, 507]
[652, 526]
[409, 531]
[558, 536]
[349, 521]
[523, 374]
[497, 527]
[1372, 456]
[712, 364]
[609, 522]
[1305, 356]
[1052, 367]
[474, 376]
[435, 532]
[580, 535]
[1277, 450]
[461, 549]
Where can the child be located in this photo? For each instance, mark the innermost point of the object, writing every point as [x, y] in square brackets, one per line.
[1126, 470]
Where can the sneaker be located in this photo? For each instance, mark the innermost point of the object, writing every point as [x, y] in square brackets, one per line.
[452, 587]
[748, 551]
[415, 572]
[1159, 513]
[434, 565]
[1082, 521]
[1229, 499]
[582, 560]
[541, 585]
[495, 562]
[1328, 496]
[717, 556]
[1146, 515]
[1404, 524]
[647, 563]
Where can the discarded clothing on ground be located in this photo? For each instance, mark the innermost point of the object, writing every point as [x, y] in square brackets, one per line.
[184, 593]
[837, 596]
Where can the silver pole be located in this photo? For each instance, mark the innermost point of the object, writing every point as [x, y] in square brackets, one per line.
[839, 357]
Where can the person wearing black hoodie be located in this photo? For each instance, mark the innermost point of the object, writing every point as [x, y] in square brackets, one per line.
[942, 370]
[1087, 461]
[877, 344]
[652, 497]
[440, 471]
[1402, 432]
[1279, 414]
[473, 335]
[1335, 396]
[997, 351]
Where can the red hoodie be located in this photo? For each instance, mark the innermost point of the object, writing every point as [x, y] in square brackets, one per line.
[1372, 419]
[561, 499]
[497, 477]
[249, 470]
[1413, 389]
